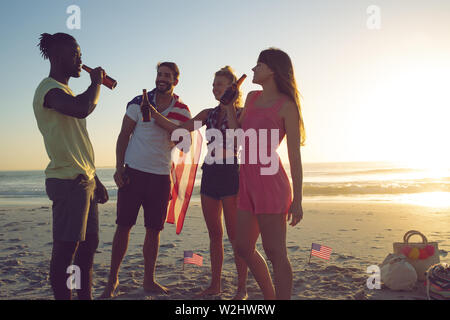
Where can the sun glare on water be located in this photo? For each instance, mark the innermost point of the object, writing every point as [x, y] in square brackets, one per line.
[428, 199]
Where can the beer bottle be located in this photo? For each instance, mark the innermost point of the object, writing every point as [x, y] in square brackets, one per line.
[229, 94]
[107, 81]
[145, 107]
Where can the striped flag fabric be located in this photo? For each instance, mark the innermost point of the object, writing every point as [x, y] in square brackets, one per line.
[183, 171]
[183, 168]
[180, 112]
[192, 258]
[320, 251]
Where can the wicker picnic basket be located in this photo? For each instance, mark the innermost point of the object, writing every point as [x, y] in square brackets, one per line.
[421, 255]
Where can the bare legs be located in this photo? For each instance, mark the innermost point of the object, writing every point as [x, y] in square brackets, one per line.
[212, 212]
[62, 255]
[151, 246]
[247, 234]
[273, 233]
[230, 213]
[150, 251]
[119, 248]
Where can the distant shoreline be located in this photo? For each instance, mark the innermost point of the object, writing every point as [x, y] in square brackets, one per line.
[392, 162]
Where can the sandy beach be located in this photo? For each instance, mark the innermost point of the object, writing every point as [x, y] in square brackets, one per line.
[360, 233]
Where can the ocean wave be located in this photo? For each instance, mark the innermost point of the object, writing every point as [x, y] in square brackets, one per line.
[373, 172]
[309, 189]
[319, 180]
[36, 193]
[22, 193]
[320, 189]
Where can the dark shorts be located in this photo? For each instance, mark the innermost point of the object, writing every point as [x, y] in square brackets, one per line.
[151, 191]
[220, 180]
[75, 209]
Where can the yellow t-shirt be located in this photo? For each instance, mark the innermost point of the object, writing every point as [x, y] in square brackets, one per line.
[66, 138]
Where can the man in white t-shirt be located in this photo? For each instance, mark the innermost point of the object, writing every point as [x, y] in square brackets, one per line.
[143, 160]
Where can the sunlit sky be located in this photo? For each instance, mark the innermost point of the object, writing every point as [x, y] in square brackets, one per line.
[368, 95]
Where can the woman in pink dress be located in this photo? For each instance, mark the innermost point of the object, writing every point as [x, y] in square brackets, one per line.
[265, 202]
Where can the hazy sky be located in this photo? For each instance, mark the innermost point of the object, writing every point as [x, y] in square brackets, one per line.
[368, 95]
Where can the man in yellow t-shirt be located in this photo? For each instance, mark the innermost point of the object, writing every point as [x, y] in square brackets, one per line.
[71, 182]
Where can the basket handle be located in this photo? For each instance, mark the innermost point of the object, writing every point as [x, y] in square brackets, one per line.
[411, 233]
[407, 234]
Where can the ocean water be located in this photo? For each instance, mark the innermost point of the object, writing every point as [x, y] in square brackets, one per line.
[360, 181]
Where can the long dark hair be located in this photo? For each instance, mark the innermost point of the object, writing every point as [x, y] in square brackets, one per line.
[279, 62]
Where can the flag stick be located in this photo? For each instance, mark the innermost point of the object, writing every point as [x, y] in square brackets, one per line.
[310, 252]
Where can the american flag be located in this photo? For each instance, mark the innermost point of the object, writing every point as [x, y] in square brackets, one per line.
[192, 258]
[320, 251]
[182, 172]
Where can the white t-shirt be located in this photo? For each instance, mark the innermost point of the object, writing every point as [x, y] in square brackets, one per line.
[149, 149]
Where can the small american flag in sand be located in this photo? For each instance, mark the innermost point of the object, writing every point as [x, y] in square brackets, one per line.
[192, 258]
[320, 251]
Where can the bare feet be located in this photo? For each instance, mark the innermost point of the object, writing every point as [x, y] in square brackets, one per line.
[155, 287]
[210, 291]
[110, 289]
[241, 295]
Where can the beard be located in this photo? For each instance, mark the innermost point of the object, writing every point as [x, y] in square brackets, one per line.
[164, 88]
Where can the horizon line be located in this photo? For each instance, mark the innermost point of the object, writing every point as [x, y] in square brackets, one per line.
[284, 163]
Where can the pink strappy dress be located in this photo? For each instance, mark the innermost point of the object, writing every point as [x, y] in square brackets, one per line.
[259, 193]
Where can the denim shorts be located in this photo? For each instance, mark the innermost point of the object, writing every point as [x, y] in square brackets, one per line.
[75, 209]
[220, 180]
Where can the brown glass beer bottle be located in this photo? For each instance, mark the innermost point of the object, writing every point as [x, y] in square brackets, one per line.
[145, 107]
[229, 94]
[107, 81]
